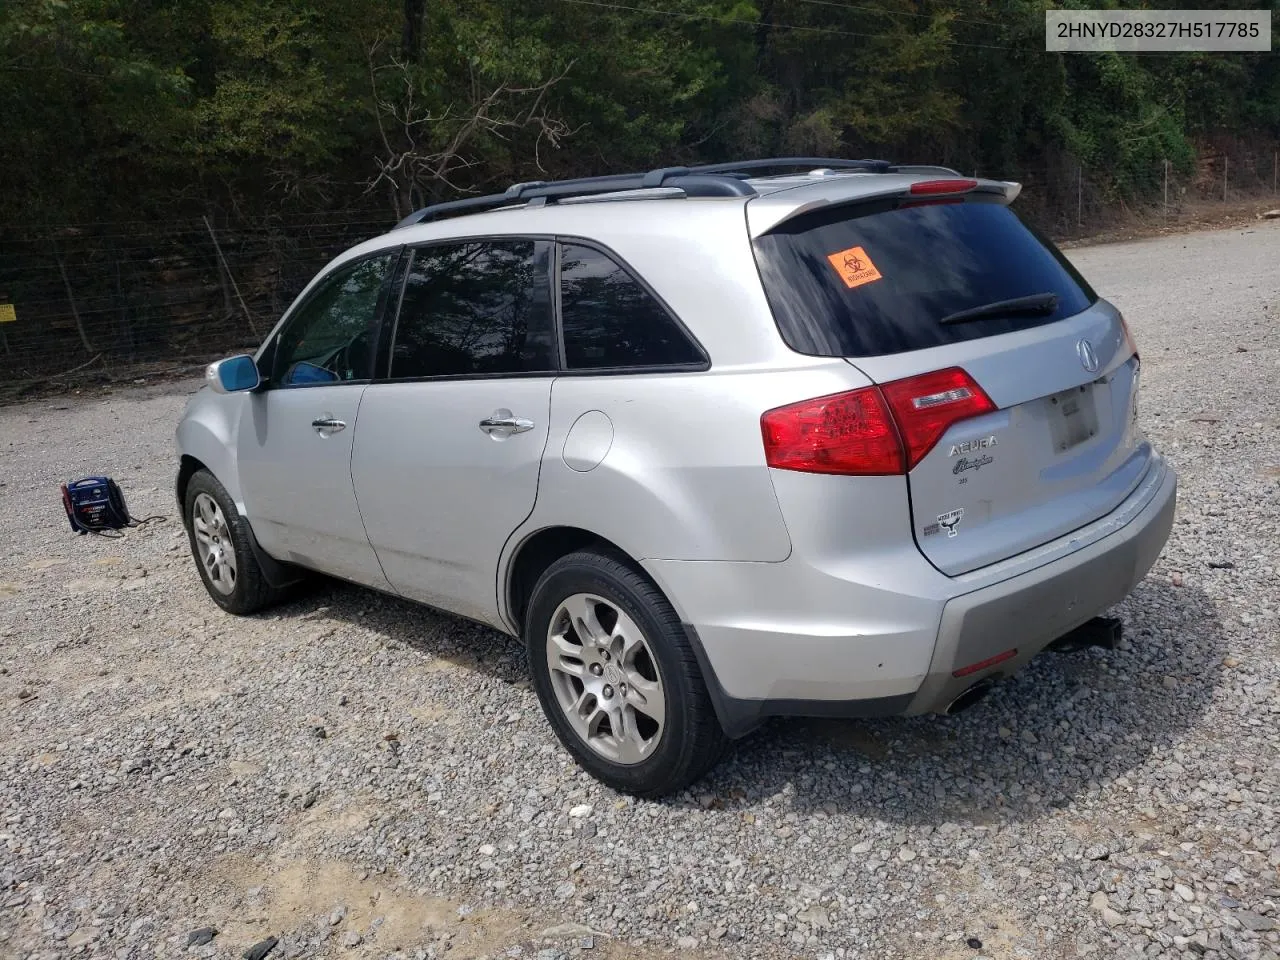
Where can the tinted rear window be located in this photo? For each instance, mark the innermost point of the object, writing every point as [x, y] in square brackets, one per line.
[610, 320]
[877, 281]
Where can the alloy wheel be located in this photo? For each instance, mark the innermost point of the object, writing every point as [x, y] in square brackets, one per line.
[213, 543]
[605, 678]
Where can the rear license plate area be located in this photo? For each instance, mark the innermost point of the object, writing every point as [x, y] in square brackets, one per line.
[1072, 416]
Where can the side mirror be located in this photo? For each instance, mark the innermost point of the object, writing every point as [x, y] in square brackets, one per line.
[233, 375]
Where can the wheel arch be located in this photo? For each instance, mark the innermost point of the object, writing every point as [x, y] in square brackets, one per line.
[188, 467]
[276, 573]
[208, 445]
[537, 551]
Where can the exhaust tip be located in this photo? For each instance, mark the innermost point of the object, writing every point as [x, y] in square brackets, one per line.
[969, 697]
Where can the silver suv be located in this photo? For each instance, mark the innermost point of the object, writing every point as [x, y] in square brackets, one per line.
[720, 443]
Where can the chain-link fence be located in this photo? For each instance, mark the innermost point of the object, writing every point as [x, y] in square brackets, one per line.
[1069, 199]
[105, 299]
[109, 296]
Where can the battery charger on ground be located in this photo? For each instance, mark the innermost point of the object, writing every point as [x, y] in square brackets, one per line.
[97, 505]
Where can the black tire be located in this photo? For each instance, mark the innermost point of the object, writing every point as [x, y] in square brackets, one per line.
[691, 740]
[250, 592]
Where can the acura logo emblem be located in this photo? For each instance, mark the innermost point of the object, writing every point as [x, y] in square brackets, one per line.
[1088, 358]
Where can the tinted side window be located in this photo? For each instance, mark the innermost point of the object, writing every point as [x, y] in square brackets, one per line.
[480, 307]
[330, 338]
[878, 279]
[610, 320]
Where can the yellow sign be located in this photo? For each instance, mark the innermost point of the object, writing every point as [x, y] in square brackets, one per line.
[7, 313]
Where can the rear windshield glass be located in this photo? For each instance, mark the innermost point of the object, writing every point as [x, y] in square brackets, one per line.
[878, 279]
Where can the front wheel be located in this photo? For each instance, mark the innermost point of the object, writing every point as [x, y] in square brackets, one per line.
[221, 547]
[617, 678]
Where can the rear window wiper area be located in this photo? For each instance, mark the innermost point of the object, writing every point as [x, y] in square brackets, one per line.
[1036, 303]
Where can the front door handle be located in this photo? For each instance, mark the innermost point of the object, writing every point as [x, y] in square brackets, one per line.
[326, 426]
[503, 423]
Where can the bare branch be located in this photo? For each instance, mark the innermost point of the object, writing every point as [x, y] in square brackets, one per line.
[420, 146]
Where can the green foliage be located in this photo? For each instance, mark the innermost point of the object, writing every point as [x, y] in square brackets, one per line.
[81, 102]
[272, 95]
[132, 107]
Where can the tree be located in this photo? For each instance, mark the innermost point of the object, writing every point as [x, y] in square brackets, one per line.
[132, 108]
[83, 103]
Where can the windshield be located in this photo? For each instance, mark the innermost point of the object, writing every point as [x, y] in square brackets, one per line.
[878, 279]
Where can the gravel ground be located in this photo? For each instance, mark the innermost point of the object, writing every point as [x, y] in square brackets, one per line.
[359, 777]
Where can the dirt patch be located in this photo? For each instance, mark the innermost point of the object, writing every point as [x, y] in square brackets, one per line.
[46, 563]
[428, 713]
[371, 915]
[243, 769]
[338, 902]
[95, 380]
[339, 818]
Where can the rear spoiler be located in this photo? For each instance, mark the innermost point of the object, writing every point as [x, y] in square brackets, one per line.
[766, 213]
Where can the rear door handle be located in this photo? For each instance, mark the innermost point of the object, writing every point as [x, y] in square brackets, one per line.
[328, 425]
[503, 424]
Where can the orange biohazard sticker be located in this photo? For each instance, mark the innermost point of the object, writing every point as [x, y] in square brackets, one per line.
[854, 266]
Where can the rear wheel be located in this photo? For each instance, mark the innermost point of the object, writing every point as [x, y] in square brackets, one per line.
[617, 677]
[220, 544]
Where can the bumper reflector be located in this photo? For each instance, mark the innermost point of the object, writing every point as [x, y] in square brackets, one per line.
[983, 664]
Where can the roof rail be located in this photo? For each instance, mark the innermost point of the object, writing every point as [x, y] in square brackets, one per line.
[706, 180]
[692, 185]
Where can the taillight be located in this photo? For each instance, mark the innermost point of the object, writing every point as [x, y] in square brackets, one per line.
[926, 406]
[846, 433]
[943, 186]
[873, 431]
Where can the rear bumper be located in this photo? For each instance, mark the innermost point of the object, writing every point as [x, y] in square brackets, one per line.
[1030, 611]
[813, 639]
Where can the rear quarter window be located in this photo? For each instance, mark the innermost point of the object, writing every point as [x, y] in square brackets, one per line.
[897, 271]
[611, 321]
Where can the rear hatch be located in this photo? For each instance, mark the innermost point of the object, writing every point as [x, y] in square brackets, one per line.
[1012, 386]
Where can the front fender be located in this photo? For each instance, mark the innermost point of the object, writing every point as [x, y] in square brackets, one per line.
[207, 433]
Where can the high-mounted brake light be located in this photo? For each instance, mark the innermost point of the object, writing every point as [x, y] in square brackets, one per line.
[874, 431]
[942, 186]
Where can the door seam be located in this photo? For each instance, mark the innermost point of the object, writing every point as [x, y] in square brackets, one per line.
[500, 581]
[351, 476]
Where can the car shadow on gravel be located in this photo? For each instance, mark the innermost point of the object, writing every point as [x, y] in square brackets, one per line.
[1066, 726]
[440, 635]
